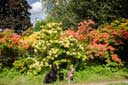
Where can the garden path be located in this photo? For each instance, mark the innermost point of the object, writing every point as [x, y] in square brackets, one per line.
[114, 82]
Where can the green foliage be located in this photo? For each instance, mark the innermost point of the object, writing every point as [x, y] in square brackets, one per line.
[70, 12]
[66, 16]
[37, 25]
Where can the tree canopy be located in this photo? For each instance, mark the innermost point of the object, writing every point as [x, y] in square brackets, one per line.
[71, 12]
[14, 14]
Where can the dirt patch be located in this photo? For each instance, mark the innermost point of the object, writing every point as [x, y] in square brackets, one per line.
[114, 82]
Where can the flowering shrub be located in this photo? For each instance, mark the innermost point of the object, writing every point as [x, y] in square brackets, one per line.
[56, 48]
[29, 65]
[52, 45]
[109, 44]
[83, 29]
[10, 47]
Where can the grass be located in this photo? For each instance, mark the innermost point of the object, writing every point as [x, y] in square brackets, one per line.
[90, 74]
[99, 73]
[13, 77]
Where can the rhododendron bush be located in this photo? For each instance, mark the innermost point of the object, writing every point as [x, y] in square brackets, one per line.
[52, 45]
[106, 44]
[10, 47]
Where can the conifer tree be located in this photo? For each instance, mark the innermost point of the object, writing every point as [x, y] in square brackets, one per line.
[14, 14]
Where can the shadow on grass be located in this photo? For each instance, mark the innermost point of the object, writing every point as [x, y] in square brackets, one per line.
[125, 76]
[3, 83]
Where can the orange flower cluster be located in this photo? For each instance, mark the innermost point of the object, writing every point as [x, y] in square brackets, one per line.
[11, 39]
[125, 35]
[83, 28]
[25, 45]
[15, 38]
[116, 58]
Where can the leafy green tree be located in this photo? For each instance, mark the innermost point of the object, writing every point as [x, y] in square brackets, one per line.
[14, 14]
[37, 25]
[58, 12]
[74, 11]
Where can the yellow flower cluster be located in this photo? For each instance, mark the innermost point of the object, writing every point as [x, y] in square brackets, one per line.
[121, 23]
[68, 41]
[36, 65]
[32, 39]
[53, 51]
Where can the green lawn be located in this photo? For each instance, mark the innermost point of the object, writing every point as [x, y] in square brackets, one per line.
[91, 74]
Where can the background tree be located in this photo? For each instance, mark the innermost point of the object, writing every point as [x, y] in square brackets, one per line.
[14, 14]
[74, 11]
